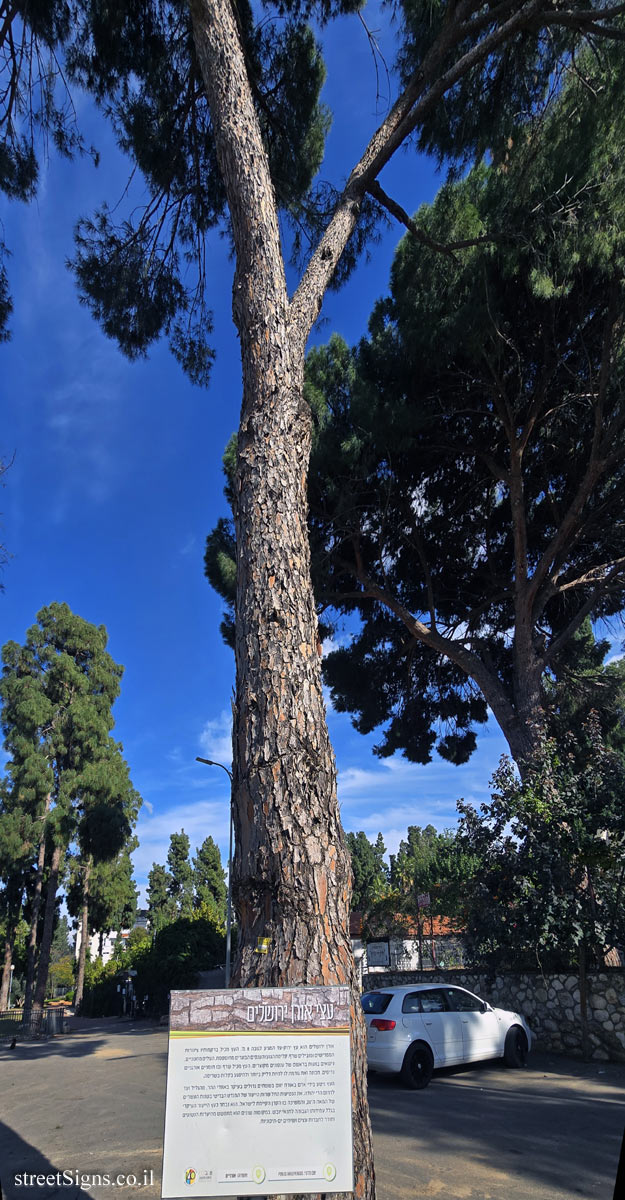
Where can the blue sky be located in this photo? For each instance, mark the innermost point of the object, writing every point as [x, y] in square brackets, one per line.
[116, 481]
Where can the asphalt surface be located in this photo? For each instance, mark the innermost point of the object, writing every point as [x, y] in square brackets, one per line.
[92, 1102]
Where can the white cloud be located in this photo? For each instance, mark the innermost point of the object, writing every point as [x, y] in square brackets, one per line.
[216, 739]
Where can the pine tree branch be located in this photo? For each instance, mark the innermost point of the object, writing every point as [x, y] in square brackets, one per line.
[563, 638]
[426, 88]
[374, 189]
[595, 468]
[587, 21]
[470, 663]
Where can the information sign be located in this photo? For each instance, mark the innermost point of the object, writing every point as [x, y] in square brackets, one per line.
[378, 954]
[258, 1092]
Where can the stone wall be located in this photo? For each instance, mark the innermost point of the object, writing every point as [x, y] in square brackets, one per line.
[549, 1003]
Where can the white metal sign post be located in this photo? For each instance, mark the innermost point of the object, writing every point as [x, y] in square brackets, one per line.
[258, 1092]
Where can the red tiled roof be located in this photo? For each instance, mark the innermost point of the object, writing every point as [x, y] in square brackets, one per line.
[431, 926]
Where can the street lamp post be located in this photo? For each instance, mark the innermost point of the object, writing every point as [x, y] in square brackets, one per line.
[10, 984]
[211, 763]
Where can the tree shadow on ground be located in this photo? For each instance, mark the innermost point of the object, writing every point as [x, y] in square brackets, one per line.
[18, 1157]
[556, 1126]
[80, 1040]
[63, 1045]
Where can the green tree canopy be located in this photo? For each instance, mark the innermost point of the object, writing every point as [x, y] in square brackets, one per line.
[549, 887]
[369, 869]
[180, 885]
[209, 881]
[161, 908]
[57, 692]
[468, 470]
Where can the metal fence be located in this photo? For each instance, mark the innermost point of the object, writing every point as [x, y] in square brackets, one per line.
[30, 1023]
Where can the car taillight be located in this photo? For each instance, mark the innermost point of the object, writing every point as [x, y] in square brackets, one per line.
[382, 1025]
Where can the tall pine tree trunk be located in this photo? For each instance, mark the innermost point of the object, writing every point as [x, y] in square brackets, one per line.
[31, 953]
[48, 928]
[84, 935]
[7, 960]
[13, 902]
[9, 942]
[292, 878]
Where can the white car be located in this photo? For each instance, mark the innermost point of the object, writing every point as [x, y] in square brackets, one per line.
[412, 1030]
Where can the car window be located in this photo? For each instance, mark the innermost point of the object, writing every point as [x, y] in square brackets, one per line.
[432, 1001]
[412, 1003]
[460, 1001]
[376, 1002]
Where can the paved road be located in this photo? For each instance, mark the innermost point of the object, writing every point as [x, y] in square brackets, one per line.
[550, 1132]
[93, 1102]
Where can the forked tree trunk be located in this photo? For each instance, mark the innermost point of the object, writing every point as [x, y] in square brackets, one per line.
[48, 929]
[292, 878]
[84, 934]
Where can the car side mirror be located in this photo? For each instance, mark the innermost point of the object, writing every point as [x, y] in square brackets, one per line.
[486, 1007]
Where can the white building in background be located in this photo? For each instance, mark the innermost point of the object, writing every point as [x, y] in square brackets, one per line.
[109, 940]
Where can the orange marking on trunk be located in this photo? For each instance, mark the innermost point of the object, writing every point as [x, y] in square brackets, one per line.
[322, 892]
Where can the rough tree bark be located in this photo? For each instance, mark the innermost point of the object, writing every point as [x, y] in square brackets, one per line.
[48, 928]
[84, 935]
[7, 959]
[31, 953]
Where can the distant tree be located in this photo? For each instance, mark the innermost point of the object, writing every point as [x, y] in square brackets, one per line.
[61, 974]
[161, 908]
[180, 885]
[209, 880]
[19, 835]
[370, 872]
[433, 863]
[171, 959]
[61, 941]
[113, 893]
[581, 683]
[57, 692]
[549, 889]
[109, 810]
[137, 937]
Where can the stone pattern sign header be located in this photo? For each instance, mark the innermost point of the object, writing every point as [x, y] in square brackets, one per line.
[246, 1010]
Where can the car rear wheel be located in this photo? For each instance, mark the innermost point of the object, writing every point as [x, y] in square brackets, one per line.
[515, 1049]
[418, 1066]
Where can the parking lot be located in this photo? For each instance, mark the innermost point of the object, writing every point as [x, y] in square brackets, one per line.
[93, 1101]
